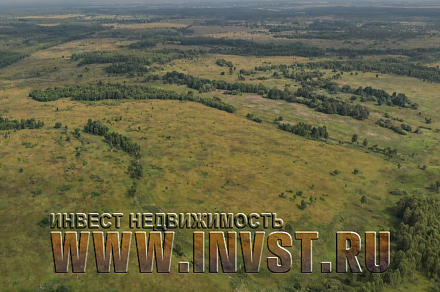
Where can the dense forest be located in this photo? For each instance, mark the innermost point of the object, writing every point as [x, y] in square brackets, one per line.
[26, 38]
[249, 48]
[417, 236]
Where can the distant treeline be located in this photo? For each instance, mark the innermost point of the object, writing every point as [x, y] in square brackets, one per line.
[420, 54]
[347, 30]
[341, 29]
[24, 38]
[249, 48]
[305, 130]
[9, 57]
[126, 68]
[32, 123]
[101, 91]
[384, 66]
[305, 95]
[130, 61]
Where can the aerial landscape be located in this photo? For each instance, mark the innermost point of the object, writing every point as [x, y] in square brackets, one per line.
[326, 113]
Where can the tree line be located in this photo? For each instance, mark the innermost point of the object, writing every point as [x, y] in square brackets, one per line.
[224, 63]
[315, 79]
[124, 56]
[24, 38]
[101, 91]
[114, 139]
[321, 102]
[384, 66]
[402, 130]
[32, 123]
[250, 48]
[305, 130]
[132, 61]
[305, 95]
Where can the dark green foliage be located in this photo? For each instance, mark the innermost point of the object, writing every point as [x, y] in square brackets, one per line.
[389, 125]
[102, 91]
[122, 142]
[144, 44]
[406, 127]
[76, 133]
[322, 103]
[206, 85]
[253, 118]
[399, 192]
[417, 236]
[25, 38]
[305, 130]
[224, 63]
[347, 30]
[43, 223]
[384, 66]
[95, 128]
[308, 97]
[32, 123]
[364, 199]
[113, 139]
[65, 187]
[314, 79]
[335, 172]
[389, 152]
[123, 61]
[136, 170]
[57, 125]
[303, 205]
[354, 138]
[249, 48]
[435, 187]
[131, 57]
[132, 190]
[125, 68]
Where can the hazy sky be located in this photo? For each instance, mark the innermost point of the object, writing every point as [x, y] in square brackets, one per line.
[76, 3]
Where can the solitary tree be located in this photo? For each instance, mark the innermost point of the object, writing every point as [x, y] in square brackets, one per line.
[364, 199]
[303, 205]
[354, 139]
